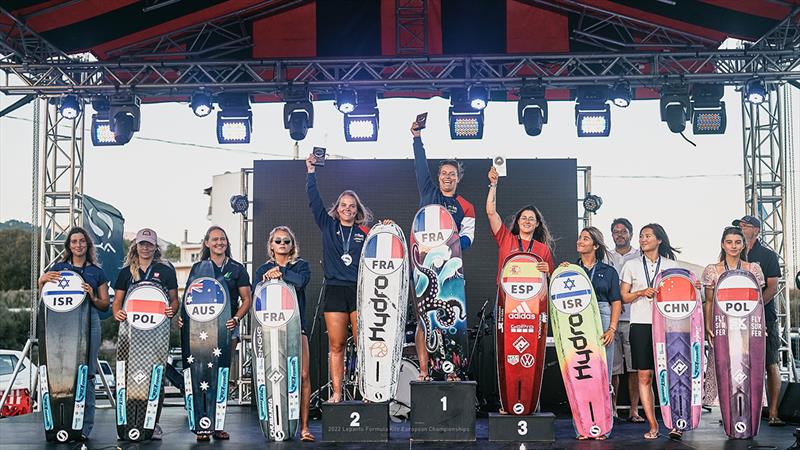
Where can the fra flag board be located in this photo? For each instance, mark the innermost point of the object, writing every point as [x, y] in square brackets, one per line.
[105, 224]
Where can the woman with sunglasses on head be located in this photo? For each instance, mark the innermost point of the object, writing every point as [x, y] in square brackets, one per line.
[143, 263]
[528, 231]
[285, 264]
[733, 255]
[79, 257]
[344, 231]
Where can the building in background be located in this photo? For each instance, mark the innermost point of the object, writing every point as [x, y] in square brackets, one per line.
[223, 187]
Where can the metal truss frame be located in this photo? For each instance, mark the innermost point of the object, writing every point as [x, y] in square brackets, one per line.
[18, 43]
[411, 20]
[244, 361]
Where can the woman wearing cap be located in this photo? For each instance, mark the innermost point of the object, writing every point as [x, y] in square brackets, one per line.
[344, 231]
[733, 255]
[638, 276]
[528, 233]
[143, 263]
[79, 257]
[285, 264]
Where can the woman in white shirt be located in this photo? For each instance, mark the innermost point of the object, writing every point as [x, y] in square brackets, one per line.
[638, 276]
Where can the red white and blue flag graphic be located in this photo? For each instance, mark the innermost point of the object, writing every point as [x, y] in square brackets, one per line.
[434, 218]
[205, 291]
[275, 304]
[383, 253]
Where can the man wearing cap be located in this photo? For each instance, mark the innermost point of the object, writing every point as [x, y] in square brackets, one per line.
[768, 260]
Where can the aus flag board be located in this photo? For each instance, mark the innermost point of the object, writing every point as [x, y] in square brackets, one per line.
[205, 299]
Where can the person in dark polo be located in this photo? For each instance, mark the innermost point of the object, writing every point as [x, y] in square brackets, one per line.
[768, 260]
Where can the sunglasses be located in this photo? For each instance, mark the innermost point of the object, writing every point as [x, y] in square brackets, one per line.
[282, 241]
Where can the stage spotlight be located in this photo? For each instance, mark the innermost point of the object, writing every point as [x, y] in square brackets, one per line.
[621, 94]
[346, 100]
[465, 121]
[591, 203]
[70, 106]
[708, 109]
[102, 134]
[361, 125]
[234, 119]
[201, 104]
[532, 109]
[592, 113]
[755, 92]
[298, 113]
[478, 97]
[116, 119]
[675, 107]
[239, 204]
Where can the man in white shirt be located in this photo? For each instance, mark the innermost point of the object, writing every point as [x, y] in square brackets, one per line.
[621, 232]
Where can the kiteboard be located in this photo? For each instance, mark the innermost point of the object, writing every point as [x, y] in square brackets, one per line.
[441, 305]
[63, 332]
[142, 350]
[277, 358]
[382, 303]
[575, 320]
[739, 351]
[521, 332]
[678, 348]
[205, 344]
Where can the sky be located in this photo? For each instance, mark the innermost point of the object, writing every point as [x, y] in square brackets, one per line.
[642, 171]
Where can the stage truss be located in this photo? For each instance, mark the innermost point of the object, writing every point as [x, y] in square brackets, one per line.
[148, 69]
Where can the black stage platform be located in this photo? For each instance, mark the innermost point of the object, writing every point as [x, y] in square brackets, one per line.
[25, 432]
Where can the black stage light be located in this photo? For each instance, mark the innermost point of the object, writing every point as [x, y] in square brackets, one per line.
[201, 104]
[708, 109]
[69, 106]
[239, 204]
[592, 113]
[675, 106]
[478, 97]
[591, 203]
[298, 113]
[116, 119]
[621, 94]
[465, 122]
[234, 119]
[346, 100]
[755, 92]
[532, 109]
[361, 125]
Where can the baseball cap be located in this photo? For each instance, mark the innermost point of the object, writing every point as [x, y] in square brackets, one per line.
[750, 220]
[147, 235]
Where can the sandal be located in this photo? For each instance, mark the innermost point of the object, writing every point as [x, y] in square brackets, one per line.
[203, 437]
[776, 422]
[222, 435]
[636, 419]
[581, 438]
[306, 436]
[425, 377]
[675, 435]
[651, 435]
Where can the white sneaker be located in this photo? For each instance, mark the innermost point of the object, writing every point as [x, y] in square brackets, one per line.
[157, 433]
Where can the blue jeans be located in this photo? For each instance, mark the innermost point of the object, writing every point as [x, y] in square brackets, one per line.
[94, 353]
[605, 321]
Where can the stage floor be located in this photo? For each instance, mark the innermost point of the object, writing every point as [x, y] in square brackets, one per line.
[25, 432]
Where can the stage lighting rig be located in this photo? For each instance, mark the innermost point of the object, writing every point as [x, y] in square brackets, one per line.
[69, 106]
[465, 121]
[234, 119]
[361, 125]
[116, 119]
[592, 203]
[532, 109]
[754, 91]
[298, 112]
[675, 106]
[346, 100]
[592, 113]
[478, 97]
[708, 109]
[201, 104]
[239, 204]
[621, 94]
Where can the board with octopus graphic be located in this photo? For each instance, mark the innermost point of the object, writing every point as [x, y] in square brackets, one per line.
[206, 348]
[521, 332]
[678, 348]
[575, 320]
[441, 304]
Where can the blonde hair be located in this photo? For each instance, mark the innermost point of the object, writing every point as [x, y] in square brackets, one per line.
[132, 260]
[363, 214]
[295, 253]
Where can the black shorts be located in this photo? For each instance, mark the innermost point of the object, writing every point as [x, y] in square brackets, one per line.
[340, 298]
[773, 355]
[641, 336]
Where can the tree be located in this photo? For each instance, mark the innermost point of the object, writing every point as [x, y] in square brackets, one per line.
[173, 253]
[15, 259]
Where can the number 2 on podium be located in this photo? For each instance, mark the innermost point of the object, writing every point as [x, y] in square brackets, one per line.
[356, 418]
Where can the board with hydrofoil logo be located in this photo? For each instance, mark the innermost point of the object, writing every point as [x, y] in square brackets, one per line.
[521, 332]
[277, 358]
[206, 348]
[678, 348]
[63, 333]
[441, 303]
[382, 303]
[142, 350]
[575, 320]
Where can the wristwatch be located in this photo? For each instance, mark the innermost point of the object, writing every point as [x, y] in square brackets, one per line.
[237, 320]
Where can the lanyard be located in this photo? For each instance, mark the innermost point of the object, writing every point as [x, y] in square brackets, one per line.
[738, 265]
[519, 242]
[147, 274]
[591, 273]
[221, 269]
[346, 244]
[647, 272]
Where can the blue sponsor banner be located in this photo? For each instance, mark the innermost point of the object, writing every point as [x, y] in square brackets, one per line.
[155, 382]
[48, 413]
[105, 225]
[190, 410]
[222, 385]
[80, 392]
[663, 386]
[262, 402]
[293, 374]
[696, 360]
[122, 417]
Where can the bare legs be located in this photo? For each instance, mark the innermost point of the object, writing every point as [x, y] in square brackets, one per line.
[422, 353]
[646, 396]
[336, 323]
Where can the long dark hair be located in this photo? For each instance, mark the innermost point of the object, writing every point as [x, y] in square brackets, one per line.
[91, 255]
[206, 252]
[541, 233]
[597, 239]
[737, 231]
[664, 248]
